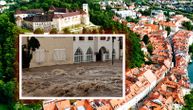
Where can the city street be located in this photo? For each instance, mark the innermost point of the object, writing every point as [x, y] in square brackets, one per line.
[97, 79]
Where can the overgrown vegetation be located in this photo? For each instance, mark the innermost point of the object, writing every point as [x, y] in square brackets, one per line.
[191, 50]
[146, 12]
[148, 45]
[166, 13]
[187, 25]
[129, 19]
[38, 31]
[145, 39]
[150, 48]
[168, 29]
[8, 34]
[188, 101]
[134, 55]
[8, 63]
[53, 31]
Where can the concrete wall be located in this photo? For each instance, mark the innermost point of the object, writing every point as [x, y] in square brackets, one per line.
[61, 23]
[43, 25]
[47, 45]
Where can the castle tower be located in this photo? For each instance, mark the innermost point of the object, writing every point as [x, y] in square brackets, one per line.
[85, 17]
[85, 8]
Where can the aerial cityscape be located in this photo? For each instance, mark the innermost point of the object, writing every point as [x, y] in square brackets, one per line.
[158, 54]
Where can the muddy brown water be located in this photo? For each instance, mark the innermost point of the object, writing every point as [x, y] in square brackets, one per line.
[97, 79]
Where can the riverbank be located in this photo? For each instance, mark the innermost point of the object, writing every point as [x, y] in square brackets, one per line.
[190, 73]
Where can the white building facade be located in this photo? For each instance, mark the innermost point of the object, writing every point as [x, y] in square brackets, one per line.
[92, 49]
[69, 50]
[126, 13]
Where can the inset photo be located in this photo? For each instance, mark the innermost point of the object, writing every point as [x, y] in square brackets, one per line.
[72, 66]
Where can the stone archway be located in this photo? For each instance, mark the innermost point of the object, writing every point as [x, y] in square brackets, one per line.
[100, 56]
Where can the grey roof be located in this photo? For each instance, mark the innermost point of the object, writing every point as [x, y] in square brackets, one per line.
[40, 18]
[30, 11]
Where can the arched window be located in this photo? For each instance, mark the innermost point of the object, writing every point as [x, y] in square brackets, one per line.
[78, 56]
[89, 55]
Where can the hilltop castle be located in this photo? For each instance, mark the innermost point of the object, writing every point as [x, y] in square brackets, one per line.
[58, 18]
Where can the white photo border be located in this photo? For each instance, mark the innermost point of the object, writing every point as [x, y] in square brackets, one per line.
[70, 35]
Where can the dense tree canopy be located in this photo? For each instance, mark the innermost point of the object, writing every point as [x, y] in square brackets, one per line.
[168, 29]
[191, 48]
[146, 12]
[187, 25]
[145, 39]
[8, 34]
[134, 55]
[189, 101]
[129, 19]
[150, 48]
[8, 84]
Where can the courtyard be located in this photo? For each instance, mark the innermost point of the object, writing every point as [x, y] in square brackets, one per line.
[93, 79]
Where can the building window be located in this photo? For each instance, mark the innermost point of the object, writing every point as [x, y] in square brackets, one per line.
[90, 38]
[59, 54]
[103, 38]
[89, 55]
[81, 38]
[78, 56]
[74, 38]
